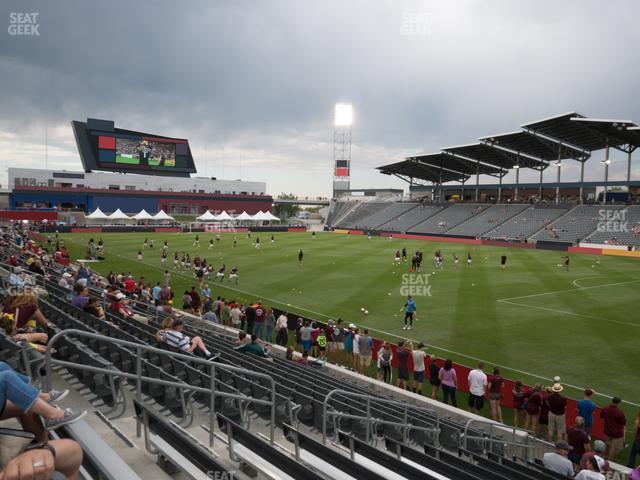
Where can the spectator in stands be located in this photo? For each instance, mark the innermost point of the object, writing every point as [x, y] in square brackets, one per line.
[304, 358]
[449, 382]
[434, 376]
[41, 460]
[614, 423]
[172, 334]
[634, 448]
[250, 317]
[403, 352]
[385, 357]
[235, 315]
[586, 407]
[94, 308]
[196, 303]
[81, 296]
[260, 315]
[210, 316]
[269, 323]
[186, 302]
[591, 472]
[37, 340]
[599, 448]
[477, 388]
[254, 348]
[533, 402]
[19, 399]
[84, 273]
[66, 281]
[305, 336]
[24, 307]
[281, 328]
[365, 346]
[418, 355]
[242, 339]
[496, 382]
[557, 461]
[543, 418]
[579, 441]
[121, 307]
[557, 413]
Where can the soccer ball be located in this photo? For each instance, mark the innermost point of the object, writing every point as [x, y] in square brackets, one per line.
[433, 273]
[362, 309]
[473, 284]
[366, 312]
[593, 266]
[389, 293]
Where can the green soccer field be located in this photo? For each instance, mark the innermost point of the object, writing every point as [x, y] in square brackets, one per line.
[533, 319]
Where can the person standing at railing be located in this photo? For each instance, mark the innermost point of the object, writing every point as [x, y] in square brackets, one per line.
[449, 383]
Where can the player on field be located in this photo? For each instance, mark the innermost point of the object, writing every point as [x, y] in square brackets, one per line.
[369, 235]
[183, 261]
[273, 239]
[146, 243]
[409, 312]
[404, 254]
[503, 261]
[300, 256]
[196, 241]
[217, 238]
[188, 264]
[139, 255]
[233, 275]
[163, 258]
[175, 260]
[164, 246]
[469, 260]
[210, 243]
[235, 242]
[151, 243]
[456, 260]
[396, 258]
[220, 274]
[258, 243]
[313, 235]
[565, 262]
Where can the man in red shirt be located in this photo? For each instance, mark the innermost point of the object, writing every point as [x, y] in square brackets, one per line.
[557, 413]
[130, 285]
[614, 423]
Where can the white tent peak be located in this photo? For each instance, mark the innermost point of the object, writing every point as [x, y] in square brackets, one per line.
[97, 214]
[119, 215]
[142, 215]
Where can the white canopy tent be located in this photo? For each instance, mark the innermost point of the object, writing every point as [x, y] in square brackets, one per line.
[142, 215]
[243, 217]
[97, 214]
[162, 215]
[206, 217]
[119, 215]
[258, 216]
[223, 216]
[270, 216]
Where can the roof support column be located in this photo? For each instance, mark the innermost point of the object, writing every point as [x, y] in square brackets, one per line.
[559, 165]
[500, 190]
[629, 165]
[477, 178]
[462, 192]
[517, 177]
[606, 172]
[540, 185]
[440, 195]
[581, 181]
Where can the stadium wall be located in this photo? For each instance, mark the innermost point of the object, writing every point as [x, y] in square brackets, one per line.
[31, 215]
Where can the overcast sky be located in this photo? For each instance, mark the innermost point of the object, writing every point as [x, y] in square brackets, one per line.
[252, 84]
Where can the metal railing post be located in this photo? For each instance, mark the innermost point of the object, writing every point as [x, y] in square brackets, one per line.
[368, 425]
[212, 406]
[138, 385]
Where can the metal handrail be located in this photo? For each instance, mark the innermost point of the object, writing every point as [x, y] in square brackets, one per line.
[491, 439]
[369, 420]
[213, 366]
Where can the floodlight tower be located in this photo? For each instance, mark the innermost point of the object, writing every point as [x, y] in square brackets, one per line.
[342, 123]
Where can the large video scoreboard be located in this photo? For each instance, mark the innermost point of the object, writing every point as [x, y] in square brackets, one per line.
[104, 147]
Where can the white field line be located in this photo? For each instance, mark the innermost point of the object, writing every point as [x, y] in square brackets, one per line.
[568, 290]
[470, 357]
[575, 282]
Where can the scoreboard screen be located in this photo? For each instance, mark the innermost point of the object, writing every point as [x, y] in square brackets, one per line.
[104, 147]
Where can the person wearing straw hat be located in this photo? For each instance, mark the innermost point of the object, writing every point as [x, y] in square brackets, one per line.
[557, 413]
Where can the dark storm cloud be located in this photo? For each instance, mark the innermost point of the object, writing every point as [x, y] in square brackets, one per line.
[259, 79]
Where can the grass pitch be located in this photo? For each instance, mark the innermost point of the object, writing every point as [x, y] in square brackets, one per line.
[533, 319]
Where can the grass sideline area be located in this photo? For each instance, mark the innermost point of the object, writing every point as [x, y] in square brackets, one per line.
[532, 319]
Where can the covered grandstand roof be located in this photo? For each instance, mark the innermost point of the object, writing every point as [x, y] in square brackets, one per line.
[535, 145]
[564, 128]
[495, 156]
[457, 164]
[624, 131]
[414, 169]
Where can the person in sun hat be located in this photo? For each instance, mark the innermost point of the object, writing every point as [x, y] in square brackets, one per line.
[557, 413]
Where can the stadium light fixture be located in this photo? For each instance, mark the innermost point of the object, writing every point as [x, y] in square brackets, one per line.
[558, 164]
[343, 115]
[606, 161]
[516, 166]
